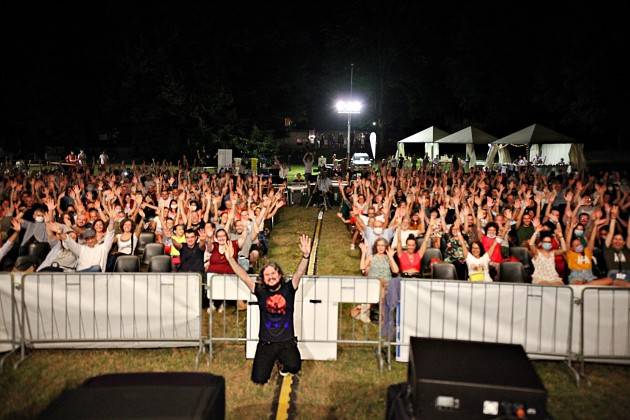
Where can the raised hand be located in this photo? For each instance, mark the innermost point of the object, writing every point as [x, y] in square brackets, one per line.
[50, 203]
[15, 224]
[305, 245]
[536, 223]
[390, 252]
[614, 212]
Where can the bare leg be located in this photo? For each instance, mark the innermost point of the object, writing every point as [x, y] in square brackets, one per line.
[550, 283]
[602, 282]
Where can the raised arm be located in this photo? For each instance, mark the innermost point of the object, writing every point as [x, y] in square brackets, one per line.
[392, 262]
[305, 248]
[532, 240]
[399, 248]
[238, 270]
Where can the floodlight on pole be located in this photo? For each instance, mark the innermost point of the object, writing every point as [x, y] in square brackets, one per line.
[349, 107]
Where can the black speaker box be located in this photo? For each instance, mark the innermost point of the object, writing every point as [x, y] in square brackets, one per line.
[452, 379]
[169, 395]
[399, 404]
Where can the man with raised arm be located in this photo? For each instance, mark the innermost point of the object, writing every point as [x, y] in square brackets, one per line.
[276, 296]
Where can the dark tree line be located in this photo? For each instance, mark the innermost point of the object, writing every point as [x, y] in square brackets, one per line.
[164, 81]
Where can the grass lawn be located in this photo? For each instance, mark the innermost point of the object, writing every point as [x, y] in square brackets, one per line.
[351, 387]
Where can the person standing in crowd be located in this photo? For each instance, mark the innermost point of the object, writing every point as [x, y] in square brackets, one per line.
[308, 165]
[276, 301]
[103, 159]
[71, 158]
[81, 158]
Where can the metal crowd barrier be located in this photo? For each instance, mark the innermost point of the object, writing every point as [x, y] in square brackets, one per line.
[9, 339]
[126, 310]
[605, 325]
[321, 314]
[540, 318]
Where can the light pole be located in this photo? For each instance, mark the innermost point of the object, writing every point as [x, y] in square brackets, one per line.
[349, 107]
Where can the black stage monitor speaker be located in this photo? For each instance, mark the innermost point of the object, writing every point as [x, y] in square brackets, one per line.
[171, 395]
[452, 379]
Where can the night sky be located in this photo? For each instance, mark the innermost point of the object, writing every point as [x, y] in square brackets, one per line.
[171, 76]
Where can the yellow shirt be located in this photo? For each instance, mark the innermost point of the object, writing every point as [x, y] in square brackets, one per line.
[578, 261]
[178, 239]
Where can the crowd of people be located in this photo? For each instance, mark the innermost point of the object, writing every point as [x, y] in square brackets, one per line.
[86, 217]
[566, 228]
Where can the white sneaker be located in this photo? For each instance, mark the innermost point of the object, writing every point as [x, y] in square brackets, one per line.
[220, 310]
[365, 313]
[352, 247]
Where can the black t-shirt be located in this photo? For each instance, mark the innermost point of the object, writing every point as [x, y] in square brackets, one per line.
[191, 259]
[276, 312]
[199, 225]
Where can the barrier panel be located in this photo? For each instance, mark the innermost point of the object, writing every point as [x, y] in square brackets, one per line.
[540, 318]
[105, 310]
[605, 325]
[9, 339]
[320, 322]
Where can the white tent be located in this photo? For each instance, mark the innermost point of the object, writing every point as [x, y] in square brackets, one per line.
[469, 136]
[428, 136]
[549, 144]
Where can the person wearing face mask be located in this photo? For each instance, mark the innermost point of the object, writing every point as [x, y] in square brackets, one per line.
[276, 297]
[374, 232]
[59, 258]
[33, 231]
[580, 260]
[576, 230]
[544, 256]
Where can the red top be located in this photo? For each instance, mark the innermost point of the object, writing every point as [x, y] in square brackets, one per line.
[218, 263]
[496, 254]
[409, 262]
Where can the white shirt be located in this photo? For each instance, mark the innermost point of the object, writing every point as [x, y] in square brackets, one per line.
[86, 256]
[476, 265]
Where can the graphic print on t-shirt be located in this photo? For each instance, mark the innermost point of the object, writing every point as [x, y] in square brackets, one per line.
[276, 304]
[277, 322]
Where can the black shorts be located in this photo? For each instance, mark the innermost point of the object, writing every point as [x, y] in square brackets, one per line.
[267, 353]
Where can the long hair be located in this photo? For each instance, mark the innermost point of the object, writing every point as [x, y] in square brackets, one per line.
[482, 250]
[381, 239]
[261, 275]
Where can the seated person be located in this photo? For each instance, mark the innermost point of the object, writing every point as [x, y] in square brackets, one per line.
[617, 253]
[580, 261]
[544, 256]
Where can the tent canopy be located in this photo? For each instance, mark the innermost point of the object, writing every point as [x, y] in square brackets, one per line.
[468, 135]
[428, 135]
[535, 134]
[547, 143]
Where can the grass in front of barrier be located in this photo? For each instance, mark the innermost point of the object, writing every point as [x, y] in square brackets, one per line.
[348, 388]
